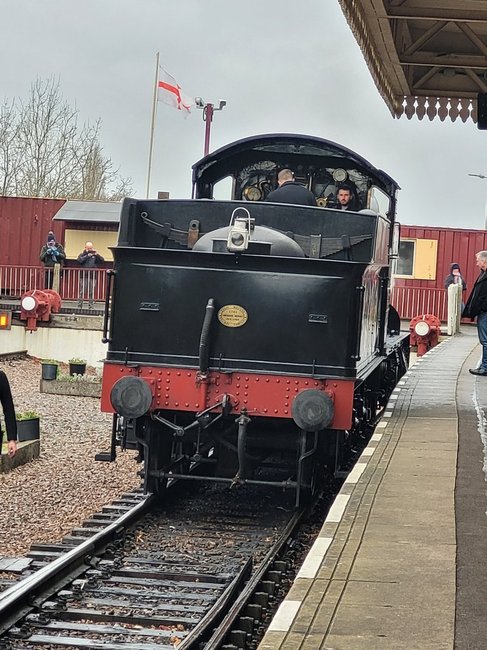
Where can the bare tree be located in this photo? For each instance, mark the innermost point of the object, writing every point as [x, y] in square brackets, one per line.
[10, 152]
[98, 175]
[45, 152]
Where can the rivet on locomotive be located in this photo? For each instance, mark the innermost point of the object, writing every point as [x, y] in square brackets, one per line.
[250, 342]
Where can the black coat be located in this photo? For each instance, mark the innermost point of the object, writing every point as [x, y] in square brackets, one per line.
[477, 300]
[292, 192]
[8, 408]
[90, 259]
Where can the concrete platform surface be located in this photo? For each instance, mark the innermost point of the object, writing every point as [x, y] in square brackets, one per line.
[395, 565]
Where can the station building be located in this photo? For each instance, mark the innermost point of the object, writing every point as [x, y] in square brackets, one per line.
[426, 254]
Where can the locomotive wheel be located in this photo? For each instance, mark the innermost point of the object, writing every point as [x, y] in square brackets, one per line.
[157, 453]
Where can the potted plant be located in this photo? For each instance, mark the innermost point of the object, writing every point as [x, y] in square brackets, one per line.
[49, 368]
[28, 426]
[77, 366]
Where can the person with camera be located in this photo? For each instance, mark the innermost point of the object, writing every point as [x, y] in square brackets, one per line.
[51, 253]
[89, 260]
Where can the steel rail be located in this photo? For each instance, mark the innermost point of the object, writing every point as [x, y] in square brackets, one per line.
[218, 610]
[18, 599]
[218, 637]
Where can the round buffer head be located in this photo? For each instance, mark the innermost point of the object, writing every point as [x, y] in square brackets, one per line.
[131, 397]
[312, 410]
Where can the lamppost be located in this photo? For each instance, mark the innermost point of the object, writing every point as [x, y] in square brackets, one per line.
[208, 110]
[485, 210]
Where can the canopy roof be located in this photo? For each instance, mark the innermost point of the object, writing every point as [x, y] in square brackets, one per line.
[90, 211]
[427, 57]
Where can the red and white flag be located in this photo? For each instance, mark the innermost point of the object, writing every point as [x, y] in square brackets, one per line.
[169, 92]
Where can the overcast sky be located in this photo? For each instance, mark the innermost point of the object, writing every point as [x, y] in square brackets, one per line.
[281, 66]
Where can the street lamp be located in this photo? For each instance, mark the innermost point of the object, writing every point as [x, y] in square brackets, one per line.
[485, 210]
[208, 110]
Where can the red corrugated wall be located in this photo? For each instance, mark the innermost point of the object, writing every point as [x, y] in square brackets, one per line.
[24, 224]
[454, 245]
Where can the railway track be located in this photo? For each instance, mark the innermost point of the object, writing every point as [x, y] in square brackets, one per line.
[142, 575]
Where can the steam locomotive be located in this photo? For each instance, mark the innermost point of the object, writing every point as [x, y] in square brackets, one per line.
[251, 342]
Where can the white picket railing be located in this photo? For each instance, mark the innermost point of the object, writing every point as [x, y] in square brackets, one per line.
[415, 301]
[17, 280]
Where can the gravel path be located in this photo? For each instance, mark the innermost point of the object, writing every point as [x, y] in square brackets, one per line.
[44, 499]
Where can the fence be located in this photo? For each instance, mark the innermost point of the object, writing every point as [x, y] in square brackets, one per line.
[17, 280]
[414, 301]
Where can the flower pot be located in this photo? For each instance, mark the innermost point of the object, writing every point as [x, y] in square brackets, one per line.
[28, 430]
[49, 370]
[77, 368]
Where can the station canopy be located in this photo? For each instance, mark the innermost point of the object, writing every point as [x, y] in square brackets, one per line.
[427, 57]
[89, 211]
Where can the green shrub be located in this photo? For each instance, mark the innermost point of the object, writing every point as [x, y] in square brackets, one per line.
[50, 361]
[78, 361]
[27, 415]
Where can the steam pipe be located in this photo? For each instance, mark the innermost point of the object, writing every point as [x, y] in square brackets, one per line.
[205, 336]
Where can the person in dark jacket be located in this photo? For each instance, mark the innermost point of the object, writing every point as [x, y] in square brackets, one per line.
[455, 277]
[8, 415]
[89, 260]
[289, 191]
[51, 253]
[476, 307]
[346, 199]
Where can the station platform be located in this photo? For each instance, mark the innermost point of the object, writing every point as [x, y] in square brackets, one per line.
[401, 560]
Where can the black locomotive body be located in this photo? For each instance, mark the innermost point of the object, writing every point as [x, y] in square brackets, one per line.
[250, 341]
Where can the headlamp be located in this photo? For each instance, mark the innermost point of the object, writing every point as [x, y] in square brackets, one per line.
[239, 232]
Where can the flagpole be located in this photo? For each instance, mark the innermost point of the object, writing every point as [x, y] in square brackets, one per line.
[151, 142]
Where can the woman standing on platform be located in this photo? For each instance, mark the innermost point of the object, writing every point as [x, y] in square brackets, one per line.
[456, 277]
[8, 415]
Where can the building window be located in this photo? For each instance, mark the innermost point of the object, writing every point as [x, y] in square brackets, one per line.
[417, 259]
[405, 260]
